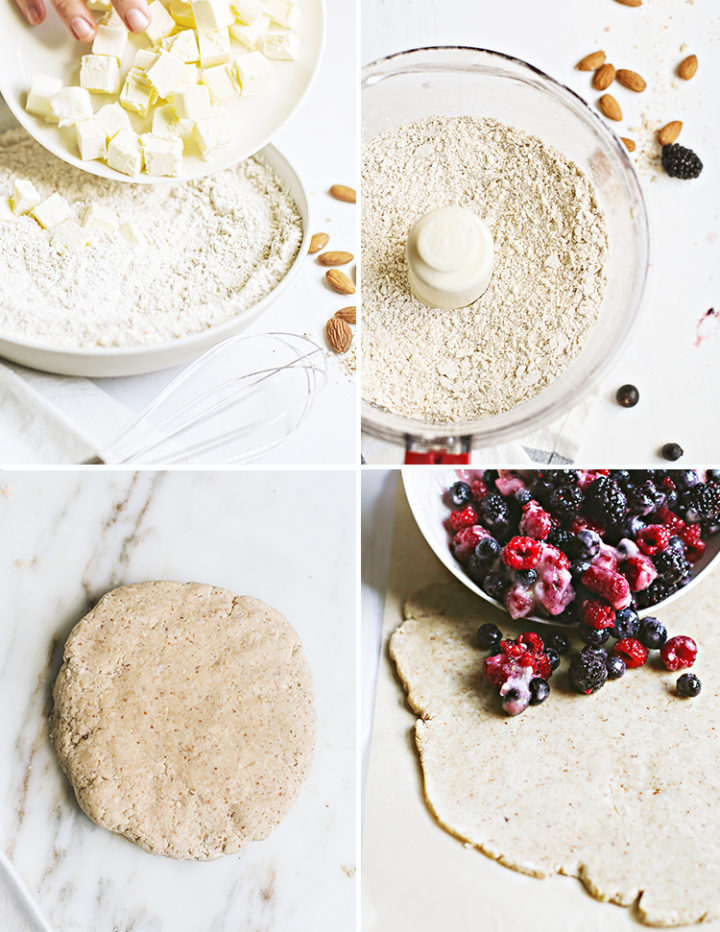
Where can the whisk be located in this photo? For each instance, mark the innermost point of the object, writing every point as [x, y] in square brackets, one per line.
[237, 401]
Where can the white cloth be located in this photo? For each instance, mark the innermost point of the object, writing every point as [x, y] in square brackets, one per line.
[18, 913]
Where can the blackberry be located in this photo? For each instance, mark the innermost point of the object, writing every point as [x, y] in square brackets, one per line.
[496, 514]
[539, 690]
[680, 162]
[605, 502]
[553, 657]
[671, 565]
[671, 451]
[488, 636]
[655, 592]
[596, 651]
[494, 585]
[643, 499]
[683, 479]
[459, 494]
[560, 538]
[523, 496]
[688, 685]
[593, 637]
[615, 667]
[701, 503]
[565, 502]
[541, 489]
[713, 475]
[588, 673]
[558, 642]
[651, 633]
[526, 578]
[626, 624]
[585, 545]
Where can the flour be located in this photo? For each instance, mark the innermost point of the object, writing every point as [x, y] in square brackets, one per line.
[215, 247]
[548, 280]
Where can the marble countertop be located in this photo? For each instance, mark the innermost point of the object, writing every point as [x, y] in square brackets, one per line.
[71, 536]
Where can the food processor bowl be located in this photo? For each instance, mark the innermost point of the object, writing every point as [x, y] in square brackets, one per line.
[452, 81]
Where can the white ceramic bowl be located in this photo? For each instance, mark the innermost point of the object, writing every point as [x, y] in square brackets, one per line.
[50, 49]
[424, 489]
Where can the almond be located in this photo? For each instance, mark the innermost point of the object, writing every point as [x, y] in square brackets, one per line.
[629, 143]
[610, 107]
[669, 133]
[318, 241]
[339, 335]
[348, 314]
[630, 2]
[342, 192]
[339, 281]
[687, 67]
[604, 77]
[591, 62]
[631, 80]
[335, 258]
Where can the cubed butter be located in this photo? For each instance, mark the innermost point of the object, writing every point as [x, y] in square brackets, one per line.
[112, 118]
[182, 13]
[68, 237]
[252, 73]
[91, 139]
[280, 44]
[136, 96]
[184, 46]
[212, 14]
[144, 59]
[247, 11]
[283, 12]
[43, 88]
[132, 234]
[192, 103]
[220, 83]
[214, 47]
[125, 153]
[110, 41]
[24, 196]
[99, 6]
[212, 131]
[166, 74]
[112, 18]
[51, 212]
[165, 122]
[70, 105]
[161, 22]
[253, 34]
[100, 74]
[163, 156]
[101, 217]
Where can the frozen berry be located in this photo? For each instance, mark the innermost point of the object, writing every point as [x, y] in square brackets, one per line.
[531, 640]
[593, 637]
[539, 690]
[631, 651]
[495, 514]
[487, 549]
[553, 657]
[608, 584]
[465, 517]
[605, 501]
[652, 633]
[672, 451]
[535, 521]
[559, 642]
[526, 578]
[587, 672]
[680, 162]
[627, 396]
[459, 494]
[522, 553]
[688, 685]
[679, 652]
[653, 538]
[640, 572]
[494, 585]
[466, 540]
[615, 667]
[586, 544]
[488, 636]
[626, 624]
[478, 489]
[597, 614]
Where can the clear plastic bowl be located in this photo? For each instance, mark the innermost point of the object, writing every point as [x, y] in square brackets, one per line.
[476, 82]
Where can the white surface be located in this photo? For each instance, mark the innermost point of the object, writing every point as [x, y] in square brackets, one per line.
[287, 539]
[50, 49]
[662, 359]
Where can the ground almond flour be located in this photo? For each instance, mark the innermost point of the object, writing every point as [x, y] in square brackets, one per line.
[214, 247]
[548, 281]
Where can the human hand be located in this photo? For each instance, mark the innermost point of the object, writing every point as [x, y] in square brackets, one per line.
[80, 21]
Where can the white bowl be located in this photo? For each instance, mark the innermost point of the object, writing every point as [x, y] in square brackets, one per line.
[424, 489]
[50, 49]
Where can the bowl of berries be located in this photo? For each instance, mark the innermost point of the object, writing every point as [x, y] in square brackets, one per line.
[596, 549]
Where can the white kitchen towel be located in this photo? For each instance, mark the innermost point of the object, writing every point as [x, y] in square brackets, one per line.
[54, 420]
[556, 444]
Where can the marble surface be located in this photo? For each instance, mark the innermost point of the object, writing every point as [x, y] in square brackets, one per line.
[69, 537]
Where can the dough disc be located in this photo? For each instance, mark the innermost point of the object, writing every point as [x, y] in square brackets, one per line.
[184, 717]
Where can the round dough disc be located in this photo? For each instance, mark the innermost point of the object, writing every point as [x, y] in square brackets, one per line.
[184, 717]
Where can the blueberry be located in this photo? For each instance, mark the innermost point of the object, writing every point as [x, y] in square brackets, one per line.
[672, 451]
[539, 690]
[494, 585]
[558, 642]
[626, 623]
[459, 494]
[487, 549]
[526, 578]
[627, 396]
[713, 475]
[615, 667]
[651, 633]
[585, 545]
[577, 570]
[488, 636]
[554, 658]
[593, 637]
[688, 685]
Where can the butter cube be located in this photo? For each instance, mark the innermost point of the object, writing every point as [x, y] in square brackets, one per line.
[182, 13]
[144, 59]
[68, 237]
[212, 131]
[253, 34]
[212, 14]
[190, 77]
[252, 73]
[100, 74]
[112, 19]
[166, 74]
[220, 83]
[192, 103]
[183, 46]
[101, 217]
[135, 96]
[110, 41]
[99, 6]
[161, 22]
[125, 153]
[51, 212]
[284, 12]
[71, 105]
[281, 45]
[43, 88]
[214, 47]
[247, 11]
[112, 118]
[24, 196]
[91, 139]
[132, 234]
[163, 156]
[166, 123]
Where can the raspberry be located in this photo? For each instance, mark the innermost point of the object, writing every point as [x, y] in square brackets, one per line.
[535, 521]
[532, 641]
[597, 614]
[631, 651]
[679, 652]
[478, 489]
[554, 558]
[463, 518]
[511, 648]
[586, 477]
[670, 520]
[499, 668]
[606, 559]
[583, 524]
[640, 572]
[653, 538]
[522, 553]
[519, 601]
[465, 541]
[611, 586]
[694, 545]
[508, 482]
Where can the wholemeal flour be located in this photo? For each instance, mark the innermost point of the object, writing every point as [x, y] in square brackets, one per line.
[214, 247]
[548, 281]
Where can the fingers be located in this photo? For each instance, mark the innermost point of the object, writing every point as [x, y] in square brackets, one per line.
[32, 10]
[134, 14]
[76, 17]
